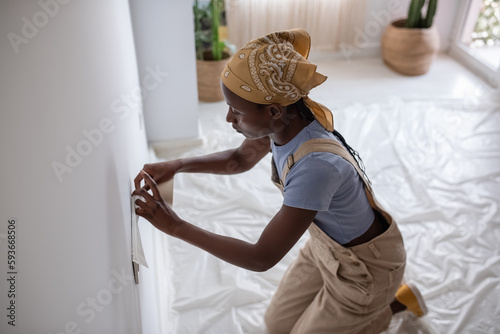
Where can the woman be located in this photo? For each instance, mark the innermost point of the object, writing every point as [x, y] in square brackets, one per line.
[347, 275]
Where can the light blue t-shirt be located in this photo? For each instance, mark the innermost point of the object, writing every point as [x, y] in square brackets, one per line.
[326, 183]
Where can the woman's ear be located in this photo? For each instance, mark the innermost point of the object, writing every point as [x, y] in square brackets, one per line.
[275, 110]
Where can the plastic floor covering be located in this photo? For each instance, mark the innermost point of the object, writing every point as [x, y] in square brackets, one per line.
[434, 165]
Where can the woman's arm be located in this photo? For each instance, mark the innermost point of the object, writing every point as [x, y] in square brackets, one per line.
[232, 161]
[279, 236]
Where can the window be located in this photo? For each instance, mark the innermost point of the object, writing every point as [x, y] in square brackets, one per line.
[477, 38]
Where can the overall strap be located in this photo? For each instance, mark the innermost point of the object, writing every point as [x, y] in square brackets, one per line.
[332, 146]
[321, 145]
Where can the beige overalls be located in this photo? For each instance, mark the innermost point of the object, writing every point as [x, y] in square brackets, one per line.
[333, 289]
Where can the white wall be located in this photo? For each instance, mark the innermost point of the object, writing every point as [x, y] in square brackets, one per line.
[65, 88]
[164, 39]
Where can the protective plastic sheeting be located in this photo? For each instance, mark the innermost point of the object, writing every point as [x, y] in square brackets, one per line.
[434, 165]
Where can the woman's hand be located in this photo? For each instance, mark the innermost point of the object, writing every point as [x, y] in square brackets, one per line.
[154, 208]
[160, 172]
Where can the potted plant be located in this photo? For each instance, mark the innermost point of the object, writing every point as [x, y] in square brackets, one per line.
[212, 53]
[409, 45]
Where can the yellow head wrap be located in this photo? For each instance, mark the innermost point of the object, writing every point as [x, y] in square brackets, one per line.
[275, 69]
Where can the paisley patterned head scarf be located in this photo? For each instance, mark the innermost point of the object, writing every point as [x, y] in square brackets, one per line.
[275, 69]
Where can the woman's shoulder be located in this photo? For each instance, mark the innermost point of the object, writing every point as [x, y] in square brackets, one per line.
[316, 130]
[323, 159]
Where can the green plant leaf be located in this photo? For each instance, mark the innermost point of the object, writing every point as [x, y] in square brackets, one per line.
[207, 22]
[431, 11]
[414, 13]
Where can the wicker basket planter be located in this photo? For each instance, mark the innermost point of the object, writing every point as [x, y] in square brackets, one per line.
[409, 51]
[208, 72]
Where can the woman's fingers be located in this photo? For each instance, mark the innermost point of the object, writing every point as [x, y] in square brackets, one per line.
[140, 203]
[142, 213]
[141, 192]
[152, 185]
[143, 206]
[139, 178]
[150, 206]
[137, 181]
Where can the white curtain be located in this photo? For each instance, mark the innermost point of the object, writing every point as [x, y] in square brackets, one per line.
[329, 22]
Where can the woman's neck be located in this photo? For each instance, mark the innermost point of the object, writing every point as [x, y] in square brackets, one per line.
[287, 128]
